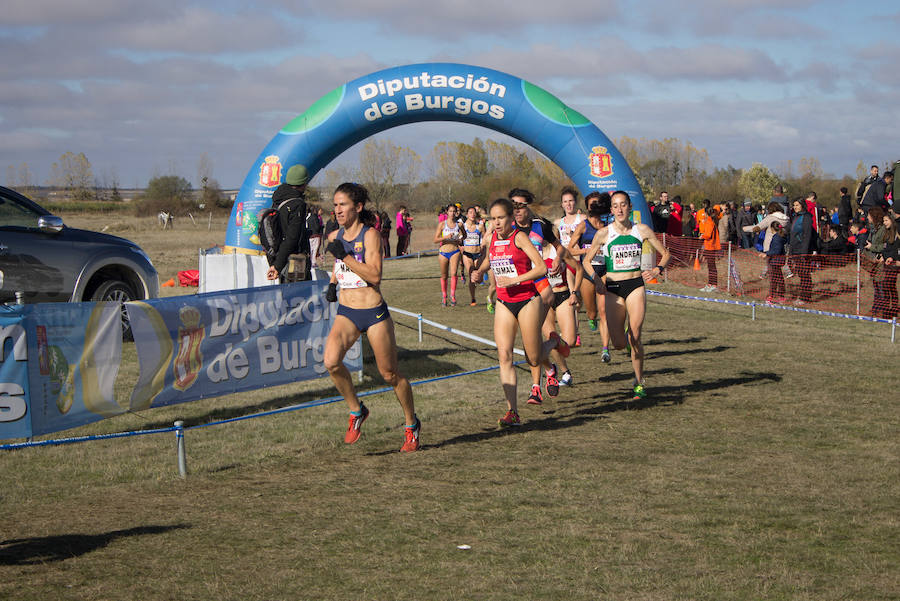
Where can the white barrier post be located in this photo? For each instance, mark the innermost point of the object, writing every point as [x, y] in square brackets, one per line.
[419, 319]
[179, 438]
[857, 281]
[893, 328]
[728, 266]
[753, 304]
[665, 273]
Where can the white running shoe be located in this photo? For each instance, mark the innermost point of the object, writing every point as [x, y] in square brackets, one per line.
[566, 379]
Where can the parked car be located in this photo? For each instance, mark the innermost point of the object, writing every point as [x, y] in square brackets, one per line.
[50, 262]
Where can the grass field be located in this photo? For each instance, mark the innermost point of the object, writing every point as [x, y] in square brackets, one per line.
[762, 465]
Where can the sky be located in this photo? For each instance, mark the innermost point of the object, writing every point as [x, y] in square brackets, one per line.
[155, 88]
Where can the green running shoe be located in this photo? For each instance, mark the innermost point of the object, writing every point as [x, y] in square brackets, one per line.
[490, 305]
[592, 325]
[639, 392]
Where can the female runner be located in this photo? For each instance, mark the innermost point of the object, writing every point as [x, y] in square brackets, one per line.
[357, 271]
[565, 226]
[449, 236]
[472, 247]
[563, 309]
[592, 291]
[540, 234]
[516, 265]
[621, 244]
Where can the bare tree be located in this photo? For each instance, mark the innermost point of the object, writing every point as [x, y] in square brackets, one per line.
[380, 164]
[77, 178]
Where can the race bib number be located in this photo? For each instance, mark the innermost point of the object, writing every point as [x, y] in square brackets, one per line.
[555, 280]
[346, 277]
[627, 257]
[503, 267]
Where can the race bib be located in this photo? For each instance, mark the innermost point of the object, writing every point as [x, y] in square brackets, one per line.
[626, 257]
[503, 266]
[555, 280]
[346, 277]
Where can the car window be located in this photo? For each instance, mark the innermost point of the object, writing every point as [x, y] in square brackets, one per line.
[14, 213]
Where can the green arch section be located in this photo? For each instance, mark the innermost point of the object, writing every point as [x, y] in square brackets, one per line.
[318, 113]
[552, 107]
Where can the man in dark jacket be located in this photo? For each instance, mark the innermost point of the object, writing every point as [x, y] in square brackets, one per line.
[746, 217]
[845, 211]
[801, 247]
[869, 179]
[874, 196]
[289, 199]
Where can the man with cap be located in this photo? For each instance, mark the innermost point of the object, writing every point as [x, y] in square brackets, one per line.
[289, 200]
[747, 217]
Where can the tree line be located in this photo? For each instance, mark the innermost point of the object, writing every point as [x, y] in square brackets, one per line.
[469, 173]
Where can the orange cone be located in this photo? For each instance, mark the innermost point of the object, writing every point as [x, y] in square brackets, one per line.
[697, 262]
[170, 283]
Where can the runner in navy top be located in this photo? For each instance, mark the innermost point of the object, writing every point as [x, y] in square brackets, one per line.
[357, 271]
[449, 236]
[472, 247]
[592, 291]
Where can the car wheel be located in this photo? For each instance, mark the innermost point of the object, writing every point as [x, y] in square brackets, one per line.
[116, 291]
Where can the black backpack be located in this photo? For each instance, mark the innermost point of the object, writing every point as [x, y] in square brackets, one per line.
[269, 229]
[269, 232]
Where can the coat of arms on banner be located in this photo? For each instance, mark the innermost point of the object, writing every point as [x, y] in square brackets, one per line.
[188, 361]
[270, 172]
[601, 162]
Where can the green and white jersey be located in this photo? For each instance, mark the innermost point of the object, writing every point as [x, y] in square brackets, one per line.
[623, 251]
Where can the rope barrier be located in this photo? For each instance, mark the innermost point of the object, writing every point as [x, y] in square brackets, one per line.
[727, 301]
[306, 405]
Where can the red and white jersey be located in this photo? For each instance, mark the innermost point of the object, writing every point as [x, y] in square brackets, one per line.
[509, 260]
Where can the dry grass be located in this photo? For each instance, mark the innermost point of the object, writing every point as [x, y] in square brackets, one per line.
[762, 465]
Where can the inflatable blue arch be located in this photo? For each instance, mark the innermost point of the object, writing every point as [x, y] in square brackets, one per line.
[432, 92]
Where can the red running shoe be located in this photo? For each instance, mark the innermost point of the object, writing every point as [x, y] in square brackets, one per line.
[412, 437]
[356, 422]
[511, 419]
[535, 398]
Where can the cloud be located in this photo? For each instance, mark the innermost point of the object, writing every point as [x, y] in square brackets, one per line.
[741, 19]
[203, 31]
[711, 62]
[462, 18]
[618, 58]
[43, 13]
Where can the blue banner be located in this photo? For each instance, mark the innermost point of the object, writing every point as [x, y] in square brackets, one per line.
[58, 367]
[76, 350]
[15, 420]
[216, 343]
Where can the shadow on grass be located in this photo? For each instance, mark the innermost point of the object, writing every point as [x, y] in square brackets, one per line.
[651, 354]
[674, 395]
[44, 549]
[665, 396]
